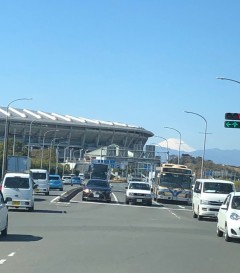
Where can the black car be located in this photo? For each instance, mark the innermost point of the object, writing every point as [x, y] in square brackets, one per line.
[97, 189]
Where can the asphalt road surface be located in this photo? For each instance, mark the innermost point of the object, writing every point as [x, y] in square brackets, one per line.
[89, 237]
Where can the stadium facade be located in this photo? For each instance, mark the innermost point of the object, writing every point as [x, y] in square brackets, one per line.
[73, 136]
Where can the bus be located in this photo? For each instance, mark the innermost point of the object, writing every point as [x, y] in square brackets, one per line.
[173, 182]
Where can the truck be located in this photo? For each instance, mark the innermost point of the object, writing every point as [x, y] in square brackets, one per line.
[100, 171]
[19, 164]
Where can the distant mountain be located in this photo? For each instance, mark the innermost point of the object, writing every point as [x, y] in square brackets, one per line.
[218, 156]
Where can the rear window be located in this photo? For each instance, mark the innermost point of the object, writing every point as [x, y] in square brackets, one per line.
[97, 183]
[39, 176]
[54, 177]
[16, 182]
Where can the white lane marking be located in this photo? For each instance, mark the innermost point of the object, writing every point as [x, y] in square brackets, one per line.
[2, 261]
[11, 254]
[182, 207]
[115, 197]
[54, 199]
[174, 214]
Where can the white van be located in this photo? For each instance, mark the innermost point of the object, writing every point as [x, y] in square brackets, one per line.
[208, 196]
[20, 188]
[41, 178]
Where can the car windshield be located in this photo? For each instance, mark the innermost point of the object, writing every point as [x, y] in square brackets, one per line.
[139, 186]
[214, 187]
[97, 183]
[17, 182]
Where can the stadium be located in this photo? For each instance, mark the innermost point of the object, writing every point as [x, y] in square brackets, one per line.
[75, 137]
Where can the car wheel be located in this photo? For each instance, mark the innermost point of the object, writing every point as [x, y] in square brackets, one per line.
[194, 214]
[227, 238]
[199, 217]
[61, 189]
[5, 231]
[150, 203]
[127, 201]
[219, 232]
[47, 193]
[31, 208]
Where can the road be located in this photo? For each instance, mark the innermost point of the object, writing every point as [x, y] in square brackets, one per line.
[92, 237]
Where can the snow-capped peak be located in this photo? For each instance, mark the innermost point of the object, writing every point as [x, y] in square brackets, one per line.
[173, 144]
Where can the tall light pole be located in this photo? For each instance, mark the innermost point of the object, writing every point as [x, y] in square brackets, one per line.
[43, 143]
[167, 146]
[204, 142]
[50, 152]
[29, 137]
[4, 159]
[180, 140]
[56, 170]
[227, 79]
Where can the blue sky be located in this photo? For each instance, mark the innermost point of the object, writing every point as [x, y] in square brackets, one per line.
[140, 62]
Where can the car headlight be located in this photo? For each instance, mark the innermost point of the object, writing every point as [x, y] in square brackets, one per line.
[234, 216]
[131, 194]
[86, 190]
[204, 202]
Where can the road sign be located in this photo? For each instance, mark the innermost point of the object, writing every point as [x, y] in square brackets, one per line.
[232, 124]
[232, 116]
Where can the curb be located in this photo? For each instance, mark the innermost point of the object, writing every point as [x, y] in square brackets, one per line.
[67, 196]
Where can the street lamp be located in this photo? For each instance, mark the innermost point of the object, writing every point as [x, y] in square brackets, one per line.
[4, 159]
[180, 140]
[227, 79]
[204, 142]
[29, 137]
[64, 142]
[43, 143]
[167, 146]
[50, 152]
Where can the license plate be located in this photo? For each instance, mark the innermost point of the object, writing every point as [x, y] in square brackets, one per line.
[96, 195]
[139, 200]
[36, 190]
[16, 203]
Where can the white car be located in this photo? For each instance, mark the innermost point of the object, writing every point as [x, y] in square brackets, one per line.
[229, 217]
[138, 192]
[3, 216]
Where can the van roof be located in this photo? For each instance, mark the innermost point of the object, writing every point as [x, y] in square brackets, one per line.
[214, 180]
[17, 174]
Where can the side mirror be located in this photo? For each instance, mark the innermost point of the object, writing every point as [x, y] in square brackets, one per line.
[223, 207]
[8, 199]
[151, 189]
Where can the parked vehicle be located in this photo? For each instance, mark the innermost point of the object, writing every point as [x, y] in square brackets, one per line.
[138, 192]
[208, 196]
[41, 179]
[18, 189]
[55, 182]
[229, 217]
[97, 190]
[3, 215]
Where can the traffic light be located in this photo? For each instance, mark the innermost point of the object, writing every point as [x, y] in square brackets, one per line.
[232, 116]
